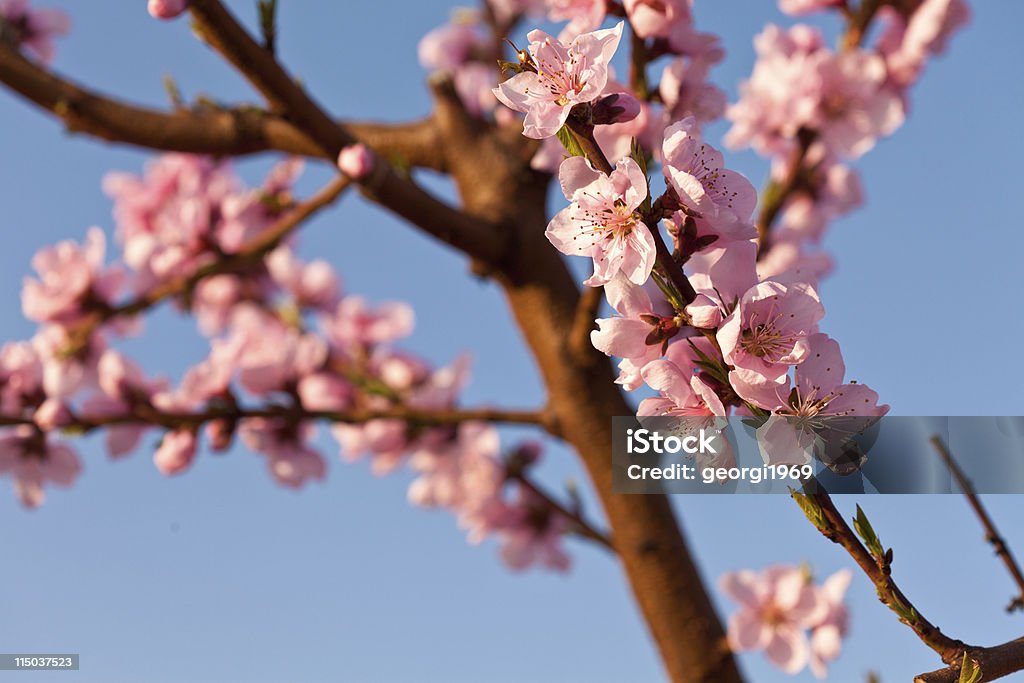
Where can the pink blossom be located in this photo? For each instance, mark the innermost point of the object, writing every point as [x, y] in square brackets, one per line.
[907, 44]
[655, 18]
[788, 261]
[52, 414]
[272, 357]
[798, 7]
[324, 391]
[532, 533]
[688, 397]
[447, 47]
[506, 10]
[639, 332]
[603, 221]
[463, 475]
[856, 106]
[34, 29]
[34, 460]
[400, 371]
[828, 633]
[722, 199]
[615, 139]
[166, 218]
[21, 377]
[566, 75]
[176, 452]
[837, 191]
[776, 606]
[167, 9]
[783, 92]
[685, 90]
[582, 15]
[214, 299]
[123, 387]
[356, 161]
[71, 281]
[67, 366]
[817, 389]
[313, 284]
[683, 394]
[474, 84]
[720, 275]
[767, 332]
[291, 462]
[441, 388]
[385, 440]
[186, 209]
[354, 324]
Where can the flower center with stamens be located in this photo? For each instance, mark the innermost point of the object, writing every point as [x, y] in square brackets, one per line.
[764, 341]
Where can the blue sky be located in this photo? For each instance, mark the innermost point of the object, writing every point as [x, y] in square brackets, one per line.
[222, 576]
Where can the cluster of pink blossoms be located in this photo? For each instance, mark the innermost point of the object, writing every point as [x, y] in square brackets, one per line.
[745, 338]
[782, 612]
[288, 349]
[741, 334]
[811, 109]
[464, 49]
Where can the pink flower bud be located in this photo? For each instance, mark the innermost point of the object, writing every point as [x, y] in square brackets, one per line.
[356, 161]
[617, 108]
[167, 9]
[176, 452]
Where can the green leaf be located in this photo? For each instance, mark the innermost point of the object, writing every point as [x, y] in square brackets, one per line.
[864, 529]
[906, 613]
[568, 140]
[811, 509]
[970, 670]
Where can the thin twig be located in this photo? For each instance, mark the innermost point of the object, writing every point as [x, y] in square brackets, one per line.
[250, 254]
[991, 533]
[145, 414]
[832, 525]
[585, 528]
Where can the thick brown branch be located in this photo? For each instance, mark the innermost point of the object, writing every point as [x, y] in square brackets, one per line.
[994, 662]
[205, 130]
[991, 533]
[477, 238]
[583, 321]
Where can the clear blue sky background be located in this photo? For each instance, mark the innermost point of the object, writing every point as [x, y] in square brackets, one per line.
[222, 576]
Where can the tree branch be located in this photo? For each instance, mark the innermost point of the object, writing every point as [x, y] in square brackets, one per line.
[232, 131]
[179, 420]
[477, 238]
[585, 528]
[991, 533]
[250, 254]
[830, 522]
[995, 663]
